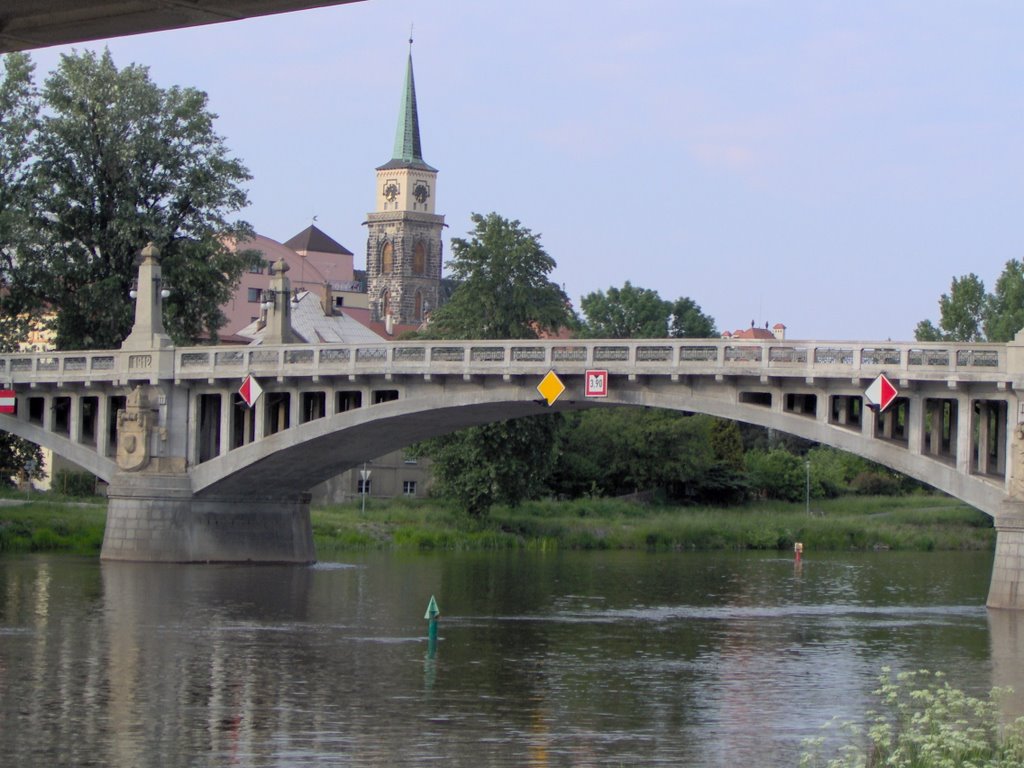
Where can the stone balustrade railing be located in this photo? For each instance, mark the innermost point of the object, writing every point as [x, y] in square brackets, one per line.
[918, 360]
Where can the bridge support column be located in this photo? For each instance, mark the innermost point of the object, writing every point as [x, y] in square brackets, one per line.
[155, 518]
[1007, 587]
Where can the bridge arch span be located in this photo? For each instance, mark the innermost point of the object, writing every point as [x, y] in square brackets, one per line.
[300, 458]
[83, 455]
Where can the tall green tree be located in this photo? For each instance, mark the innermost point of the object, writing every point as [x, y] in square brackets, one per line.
[969, 313]
[117, 162]
[962, 313]
[18, 120]
[629, 312]
[688, 321]
[504, 292]
[1005, 311]
[504, 286]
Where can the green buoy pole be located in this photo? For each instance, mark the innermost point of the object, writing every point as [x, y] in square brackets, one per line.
[431, 616]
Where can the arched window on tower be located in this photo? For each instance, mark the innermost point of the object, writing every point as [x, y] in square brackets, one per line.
[419, 258]
[417, 308]
[387, 259]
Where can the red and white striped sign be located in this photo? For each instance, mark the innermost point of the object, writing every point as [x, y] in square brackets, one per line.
[6, 401]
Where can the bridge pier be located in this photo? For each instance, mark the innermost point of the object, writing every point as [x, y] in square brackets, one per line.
[1005, 590]
[155, 518]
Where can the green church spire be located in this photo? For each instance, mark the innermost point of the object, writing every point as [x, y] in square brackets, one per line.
[408, 153]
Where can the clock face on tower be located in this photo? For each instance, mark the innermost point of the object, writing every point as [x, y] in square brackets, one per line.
[421, 192]
[390, 190]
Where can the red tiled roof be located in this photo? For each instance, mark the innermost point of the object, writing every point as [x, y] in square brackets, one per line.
[753, 333]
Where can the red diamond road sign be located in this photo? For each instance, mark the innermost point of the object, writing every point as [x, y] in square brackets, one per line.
[6, 401]
[881, 392]
[250, 391]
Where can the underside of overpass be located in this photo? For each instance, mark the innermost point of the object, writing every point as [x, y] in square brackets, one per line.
[26, 24]
[308, 454]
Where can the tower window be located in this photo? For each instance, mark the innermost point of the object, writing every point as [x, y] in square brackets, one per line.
[387, 259]
[419, 258]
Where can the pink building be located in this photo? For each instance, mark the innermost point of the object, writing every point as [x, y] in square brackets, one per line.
[313, 259]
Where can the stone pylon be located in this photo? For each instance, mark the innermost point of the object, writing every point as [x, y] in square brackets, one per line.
[153, 515]
[1007, 586]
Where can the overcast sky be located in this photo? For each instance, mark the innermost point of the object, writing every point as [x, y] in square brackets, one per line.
[827, 165]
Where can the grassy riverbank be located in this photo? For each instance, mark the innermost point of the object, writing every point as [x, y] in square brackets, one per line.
[43, 522]
[922, 523]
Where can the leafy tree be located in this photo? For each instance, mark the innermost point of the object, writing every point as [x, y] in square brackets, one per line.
[926, 331]
[18, 116]
[16, 455]
[504, 292]
[117, 162]
[683, 457]
[18, 112]
[1005, 315]
[688, 321]
[629, 312]
[962, 313]
[501, 463]
[777, 474]
[504, 286]
[727, 443]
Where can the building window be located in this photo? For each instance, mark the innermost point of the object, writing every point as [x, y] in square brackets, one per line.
[387, 259]
[254, 294]
[363, 486]
[408, 487]
[339, 302]
[257, 268]
[409, 459]
[419, 258]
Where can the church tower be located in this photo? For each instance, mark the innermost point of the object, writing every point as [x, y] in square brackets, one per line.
[403, 248]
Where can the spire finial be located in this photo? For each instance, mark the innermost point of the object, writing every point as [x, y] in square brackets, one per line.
[410, 38]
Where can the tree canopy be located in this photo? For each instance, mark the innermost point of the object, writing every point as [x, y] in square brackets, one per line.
[631, 312]
[504, 286]
[688, 321]
[504, 292]
[969, 313]
[113, 162]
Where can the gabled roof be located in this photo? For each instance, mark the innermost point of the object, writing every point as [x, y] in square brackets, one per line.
[314, 239]
[408, 153]
[314, 327]
[752, 333]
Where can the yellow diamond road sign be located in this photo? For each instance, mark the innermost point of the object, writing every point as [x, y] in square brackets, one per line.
[551, 387]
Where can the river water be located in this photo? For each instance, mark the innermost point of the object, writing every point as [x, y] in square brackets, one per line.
[556, 659]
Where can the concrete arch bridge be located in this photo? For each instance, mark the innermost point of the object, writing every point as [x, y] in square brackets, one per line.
[197, 475]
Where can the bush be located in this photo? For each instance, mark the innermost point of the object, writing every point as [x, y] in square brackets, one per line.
[925, 723]
[74, 483]
[875, 484]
